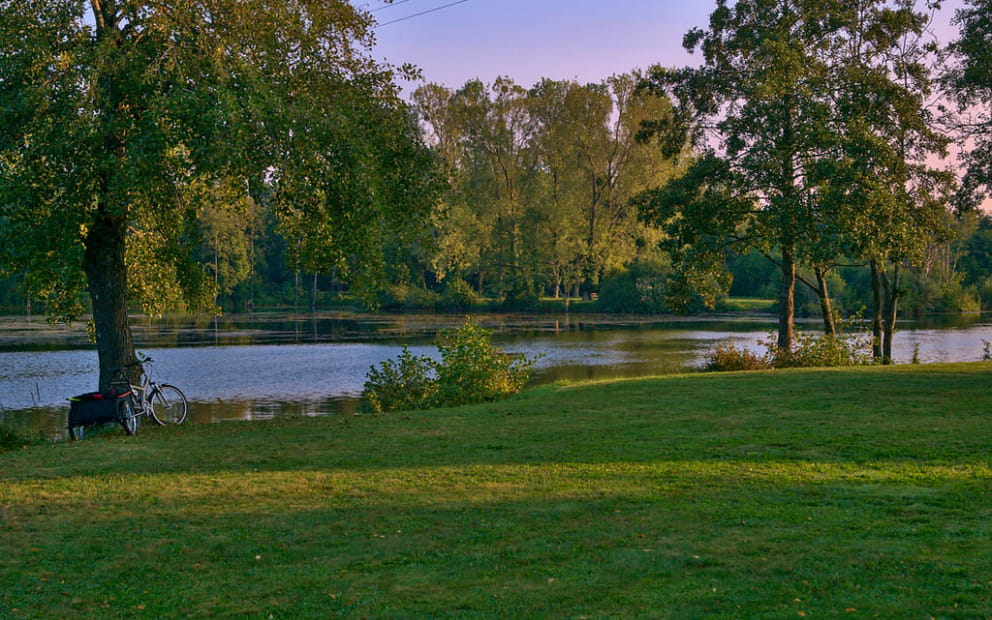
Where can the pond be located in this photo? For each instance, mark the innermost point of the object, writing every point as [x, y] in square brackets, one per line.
[266, 365]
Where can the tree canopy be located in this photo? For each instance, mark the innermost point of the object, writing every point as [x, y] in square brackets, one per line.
[122, 121]
[807, 117]
[541, 180]
[971, 82]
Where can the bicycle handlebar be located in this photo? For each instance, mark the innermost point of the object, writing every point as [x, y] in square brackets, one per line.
[138, 363]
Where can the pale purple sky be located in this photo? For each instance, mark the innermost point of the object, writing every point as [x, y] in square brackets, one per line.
[526, 40]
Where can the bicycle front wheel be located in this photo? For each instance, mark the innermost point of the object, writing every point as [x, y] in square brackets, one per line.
[168, 405]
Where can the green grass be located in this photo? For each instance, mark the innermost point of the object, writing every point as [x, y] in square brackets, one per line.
[849, 493]
[746, 304]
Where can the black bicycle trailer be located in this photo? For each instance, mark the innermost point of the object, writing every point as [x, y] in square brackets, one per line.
[94, 408]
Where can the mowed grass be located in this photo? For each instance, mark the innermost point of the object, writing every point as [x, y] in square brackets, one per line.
[854, 493]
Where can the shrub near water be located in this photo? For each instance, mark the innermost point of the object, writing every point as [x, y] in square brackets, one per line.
[808, 351]
[726, 357]
[471, 370]
[406, 383]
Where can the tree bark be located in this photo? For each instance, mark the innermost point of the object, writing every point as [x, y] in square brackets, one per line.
[787, 301]
[829, 325]
[878, 297]
[891, 311]
[106, 275]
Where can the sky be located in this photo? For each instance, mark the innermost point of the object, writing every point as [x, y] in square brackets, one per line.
[526, 40]
[453, 41]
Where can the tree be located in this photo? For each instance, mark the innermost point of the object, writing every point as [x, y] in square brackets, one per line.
[970, 80]
[541, 180]
[888, 203]
[112, 109]
[226, 221]
[761, 89]
[588, 146]
[796, 100]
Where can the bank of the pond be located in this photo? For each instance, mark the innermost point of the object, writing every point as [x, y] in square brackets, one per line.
[814, 493]
[252, 367]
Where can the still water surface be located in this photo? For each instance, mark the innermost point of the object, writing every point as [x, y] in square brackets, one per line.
[258, 367]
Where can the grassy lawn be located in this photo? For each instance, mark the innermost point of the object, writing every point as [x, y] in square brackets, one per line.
[819, 494]
[746, 304]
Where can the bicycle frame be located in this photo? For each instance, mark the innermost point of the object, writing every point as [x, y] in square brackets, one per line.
[146, 391]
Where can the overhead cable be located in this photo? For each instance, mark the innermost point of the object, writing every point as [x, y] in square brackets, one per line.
[444, 6]
[389, 6]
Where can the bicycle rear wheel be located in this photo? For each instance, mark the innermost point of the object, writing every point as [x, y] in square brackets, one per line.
[129, 418]
[168, 405]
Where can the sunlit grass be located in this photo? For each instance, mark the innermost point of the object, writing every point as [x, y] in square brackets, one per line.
[842, 493]
[746, 304]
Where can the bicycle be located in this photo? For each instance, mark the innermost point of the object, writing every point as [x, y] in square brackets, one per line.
[162, 402]
[126, 402]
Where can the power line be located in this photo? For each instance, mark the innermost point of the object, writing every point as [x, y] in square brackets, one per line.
[443, 6]
[389, 6]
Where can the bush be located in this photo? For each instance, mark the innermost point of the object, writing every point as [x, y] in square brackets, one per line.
[641, 288]
[808, 351]
[471, 370]
[404, 296]
[407, 383]
[727, 357]
[458, 294]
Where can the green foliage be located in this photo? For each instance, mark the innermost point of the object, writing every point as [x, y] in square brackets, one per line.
[138, 136]
[409, 382]
[808, 351]
[471, 370]
[971, 82]
[728, 358]
[641, 288]
[820, 110]
[821, 351]
[540, 182]
[458, 295]
[402, 295]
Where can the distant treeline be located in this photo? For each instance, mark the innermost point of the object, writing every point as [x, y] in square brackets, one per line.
[542, 205]
[254, 271]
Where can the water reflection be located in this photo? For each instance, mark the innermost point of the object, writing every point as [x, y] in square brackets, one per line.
[251, 368]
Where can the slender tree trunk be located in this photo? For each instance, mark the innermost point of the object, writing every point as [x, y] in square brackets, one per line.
[787, 301]
[891, 311]
[106, 276]
[878, 298]
[829, 325]
[313, 296]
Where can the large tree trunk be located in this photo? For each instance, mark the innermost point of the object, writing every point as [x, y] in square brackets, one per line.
[106, 276]
[787, 301]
